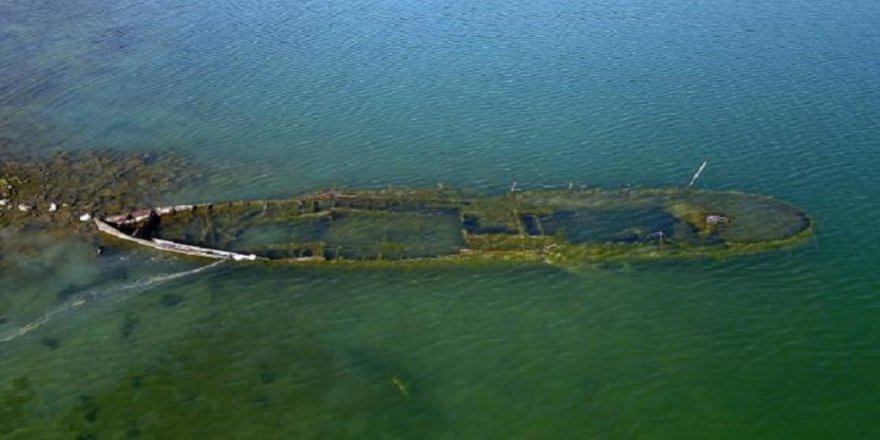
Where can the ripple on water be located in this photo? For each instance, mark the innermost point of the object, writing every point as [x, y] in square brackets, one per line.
[281, 98]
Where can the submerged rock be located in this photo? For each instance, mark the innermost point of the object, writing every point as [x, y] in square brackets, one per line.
[715, 219]
[50, 342]
[95, 182]
[171, 300]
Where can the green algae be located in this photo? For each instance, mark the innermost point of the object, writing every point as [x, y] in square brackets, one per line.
[17, 403]
[175, 393]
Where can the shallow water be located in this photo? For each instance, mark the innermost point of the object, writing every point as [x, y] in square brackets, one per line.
[276, 98]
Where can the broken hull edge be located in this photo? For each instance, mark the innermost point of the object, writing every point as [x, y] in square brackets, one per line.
[582, 255]
[170, 246]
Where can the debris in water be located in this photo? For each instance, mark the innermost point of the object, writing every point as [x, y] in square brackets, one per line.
[401, 386]
[697, 175]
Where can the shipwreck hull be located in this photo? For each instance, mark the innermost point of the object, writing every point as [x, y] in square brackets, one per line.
[404, 226]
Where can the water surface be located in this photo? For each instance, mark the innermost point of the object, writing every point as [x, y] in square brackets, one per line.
[276, 98]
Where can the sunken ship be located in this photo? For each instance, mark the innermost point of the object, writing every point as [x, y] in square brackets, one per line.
[399, 226]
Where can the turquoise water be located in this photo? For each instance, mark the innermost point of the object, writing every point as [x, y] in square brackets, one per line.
[275, 98]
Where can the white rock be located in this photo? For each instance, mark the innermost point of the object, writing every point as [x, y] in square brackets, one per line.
[85, 217]
[53, 207]
[24, 208]
[715, 219]
[4, 202]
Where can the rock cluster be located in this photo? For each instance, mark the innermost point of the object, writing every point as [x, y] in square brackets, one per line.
[68, 189]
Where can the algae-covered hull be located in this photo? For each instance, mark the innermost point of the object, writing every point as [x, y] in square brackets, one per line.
[405, 226]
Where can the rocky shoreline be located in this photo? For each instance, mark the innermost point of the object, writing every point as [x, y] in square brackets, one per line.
[61, 193]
